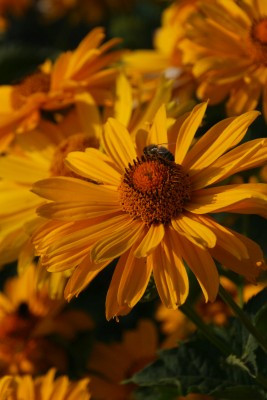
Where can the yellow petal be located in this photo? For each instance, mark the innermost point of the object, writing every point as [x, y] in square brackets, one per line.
[249, 267]
[124, 102]
[133, 280]
[248, 155]
[169, 272]
[72, 189]
[83, 274]
[88, 113]
[76, 211]
[90, 166]
[151, 240]
[192, 228]
[158, 131]
[188, 131]
[203, 267]
[248, 198]
[118, 144]
[119, 241]
[220, 138]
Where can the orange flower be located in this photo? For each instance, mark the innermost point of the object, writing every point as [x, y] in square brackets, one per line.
[225, 46]
[53, 87]
[150, 207]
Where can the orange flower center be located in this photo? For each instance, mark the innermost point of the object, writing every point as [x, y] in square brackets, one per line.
[78, 142]
[154, 189]
[38, 82]
[258, 40]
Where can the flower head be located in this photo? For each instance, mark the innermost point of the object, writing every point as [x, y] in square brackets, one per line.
[55, 86]
[228, 55]
[150, 208]
[45, 387]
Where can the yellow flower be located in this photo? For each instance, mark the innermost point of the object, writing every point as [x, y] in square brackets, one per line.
[225, 44]
[149, 207]
[36, 155]
[27, 316]
[145, 67]
[33, 156]
[53, 87]
[45, 387]
[110, 364]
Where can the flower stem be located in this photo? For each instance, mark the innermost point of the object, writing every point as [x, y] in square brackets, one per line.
[225, 296]
[214, 339]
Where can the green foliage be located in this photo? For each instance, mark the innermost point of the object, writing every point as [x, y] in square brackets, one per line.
[197, 366]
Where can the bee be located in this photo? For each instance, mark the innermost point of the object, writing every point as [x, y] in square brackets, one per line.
[158, 150]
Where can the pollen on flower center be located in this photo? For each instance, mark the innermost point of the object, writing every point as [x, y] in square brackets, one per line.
[258, 40]
[38, 82]
[154, 189]
[77, 142]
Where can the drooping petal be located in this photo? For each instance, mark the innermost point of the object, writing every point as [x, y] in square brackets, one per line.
[202, 265]
[118, 144]
[118, 241]
[133, 280]
[226, 238]
[188, 131]
[151, 240]
[189, 226]
[169, 272]
[249, 267]
[83, 274]
[113, 308]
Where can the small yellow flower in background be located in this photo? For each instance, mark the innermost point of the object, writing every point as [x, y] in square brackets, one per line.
[54, 86]
[27, 316]
[110, 364]
[46, 387]
[150, 206]
[225, 45]
[145, 67]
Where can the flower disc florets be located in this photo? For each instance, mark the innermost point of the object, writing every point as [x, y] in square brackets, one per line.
[154, 189]
[258, 39]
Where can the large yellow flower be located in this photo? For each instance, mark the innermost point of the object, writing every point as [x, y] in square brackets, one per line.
[45, 387]
[149, 207]
[226, 46]
[52, 87]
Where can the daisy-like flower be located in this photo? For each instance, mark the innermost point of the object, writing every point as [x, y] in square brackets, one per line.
[150, 207]
[54, 86]
[46, 387]
[33, 156]
[226, 46]
[27, 317]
